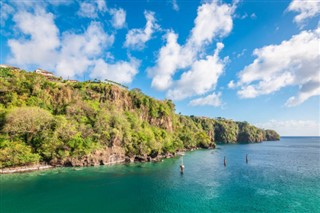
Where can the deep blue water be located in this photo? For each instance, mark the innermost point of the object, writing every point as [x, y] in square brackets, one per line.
[282, 176]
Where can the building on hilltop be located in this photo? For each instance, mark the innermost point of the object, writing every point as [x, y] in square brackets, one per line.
[44, 72]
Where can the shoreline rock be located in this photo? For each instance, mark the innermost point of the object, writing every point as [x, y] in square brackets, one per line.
[23, 169]
[87, 161]
[106, 157]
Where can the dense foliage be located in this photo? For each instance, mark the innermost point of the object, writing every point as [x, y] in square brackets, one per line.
[50, 121]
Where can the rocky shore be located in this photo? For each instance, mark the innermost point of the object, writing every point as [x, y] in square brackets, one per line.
[96, 159]
[22, 169]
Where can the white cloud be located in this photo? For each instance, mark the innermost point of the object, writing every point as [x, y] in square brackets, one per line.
[88, 10]
[201, 72]
[59, 2]
[267, 85]
[31, 6]
[28, 5]
[312, 88]
[171, 57]
[244, 16]
[136, 38]
[101, 4]
[6, 11]
[121, 71]
[293, 127]
[242, 53]
[118, 18]
[200, 79]
[79, 50]
[294, 62]
[306, 10]
[231, 85]
[91, 9]
[175, 5]
[213, 20]
[210, 100]
[70, 54]
[41, 47]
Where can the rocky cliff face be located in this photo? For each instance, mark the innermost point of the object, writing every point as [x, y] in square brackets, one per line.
[105, 156]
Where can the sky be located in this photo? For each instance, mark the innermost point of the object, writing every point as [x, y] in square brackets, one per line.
[255, 61]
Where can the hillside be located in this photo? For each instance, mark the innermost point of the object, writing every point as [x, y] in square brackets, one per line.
[91, 123]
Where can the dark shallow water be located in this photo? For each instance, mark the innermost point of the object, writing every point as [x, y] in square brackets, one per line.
[281, 176]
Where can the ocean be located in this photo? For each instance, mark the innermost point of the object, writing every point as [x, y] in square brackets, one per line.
[280, 176]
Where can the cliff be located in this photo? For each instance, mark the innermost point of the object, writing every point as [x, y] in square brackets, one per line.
[92, 123]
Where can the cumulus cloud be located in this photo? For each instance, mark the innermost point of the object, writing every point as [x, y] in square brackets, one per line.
[91, 9]
[200, 79]
[201, 71]
[210, 100]
[94, 9]
[69, 54]
[213, 20]
[121, 71]
[171, 57]
[312, 88]
[294, 62]
[88, 10]
[136, 38]
[79, 50]
[118, 18]
[101, 4]
[306, 10]
[293, 127]
[6, 11]
[39, 45]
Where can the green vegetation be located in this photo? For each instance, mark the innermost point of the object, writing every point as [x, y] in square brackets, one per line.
[248, 132]
[55, 121]
[271, 135]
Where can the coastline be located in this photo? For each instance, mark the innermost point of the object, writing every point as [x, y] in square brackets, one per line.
[121, 160]
[23, 169]
[126, 160]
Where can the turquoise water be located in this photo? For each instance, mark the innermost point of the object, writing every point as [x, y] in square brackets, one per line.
[281, 176]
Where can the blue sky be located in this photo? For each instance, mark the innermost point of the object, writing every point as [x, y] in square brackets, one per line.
[255, 61]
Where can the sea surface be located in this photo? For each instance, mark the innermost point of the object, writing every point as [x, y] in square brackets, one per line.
[282, 176]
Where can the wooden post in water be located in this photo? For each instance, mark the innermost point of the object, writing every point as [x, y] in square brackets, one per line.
[247, 159]
[225, 161]
[181, 166]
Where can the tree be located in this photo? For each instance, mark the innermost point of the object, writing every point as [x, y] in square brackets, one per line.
[272, 135]
[27, 123]
[226, 131]
[17, 154]
[203, 140]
